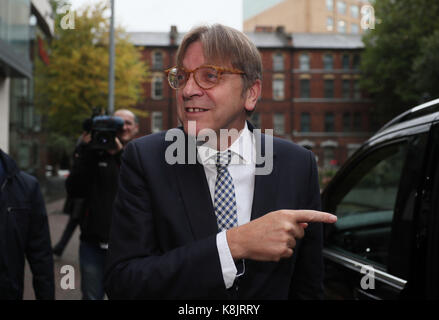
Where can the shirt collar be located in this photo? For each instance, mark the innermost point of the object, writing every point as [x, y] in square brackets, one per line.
[242, 150]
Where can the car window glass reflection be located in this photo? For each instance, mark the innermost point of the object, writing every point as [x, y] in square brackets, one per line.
[365, 204]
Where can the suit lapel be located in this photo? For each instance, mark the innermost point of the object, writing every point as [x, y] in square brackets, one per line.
[264, 196]
[196, 197]
[195, 193]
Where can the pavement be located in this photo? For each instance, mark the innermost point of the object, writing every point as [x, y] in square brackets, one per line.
[70, 257]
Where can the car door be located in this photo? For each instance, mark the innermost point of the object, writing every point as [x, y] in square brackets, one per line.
[368, 251]
[424, 276]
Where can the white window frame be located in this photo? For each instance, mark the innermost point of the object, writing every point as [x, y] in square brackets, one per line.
[341, 26]
[279, 123]
[278, 62]
[154, 82]
[330, 5]
[355, 29]
[329, 23]
[156, 121]
[154, 60]
[341, 7]
[278, 89]
[304, 62]
[355, 11]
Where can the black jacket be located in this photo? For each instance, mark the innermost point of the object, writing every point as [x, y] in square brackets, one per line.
[94, 176]
[163, 235]
[24, 231]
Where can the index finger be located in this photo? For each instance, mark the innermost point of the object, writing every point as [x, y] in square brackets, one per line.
[303, 216]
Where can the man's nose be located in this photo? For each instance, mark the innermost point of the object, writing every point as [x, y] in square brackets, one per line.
[192, 88]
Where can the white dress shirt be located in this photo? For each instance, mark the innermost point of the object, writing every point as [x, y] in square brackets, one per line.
[242, 169]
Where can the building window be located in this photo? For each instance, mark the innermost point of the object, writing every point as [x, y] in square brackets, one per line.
[305, 122]
[328, 61]
[328, 156]
[341, 7]
[329, 23]
[345, 61]
[157, 88]
[330, 5]
[157, 60]
[356, 62]
[156, 121]
[357, 91]
[357, 121]
[329, 122]
[354, 11]
[304, 61]
[305, 88]
[278, 89]
[346, 88]
[278, 62]
[329, 88]
[279, 123]
[354, 28]
[346, 121]
[255, 120]
[341, 26]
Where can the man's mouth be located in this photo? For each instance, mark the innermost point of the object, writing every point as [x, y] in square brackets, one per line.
[193, 110]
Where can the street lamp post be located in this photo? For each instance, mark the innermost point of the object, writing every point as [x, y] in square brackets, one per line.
[111, 64]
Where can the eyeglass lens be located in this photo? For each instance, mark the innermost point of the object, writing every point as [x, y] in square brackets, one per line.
[206, 77]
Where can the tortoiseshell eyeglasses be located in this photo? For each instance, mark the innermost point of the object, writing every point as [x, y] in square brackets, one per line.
[206, 76]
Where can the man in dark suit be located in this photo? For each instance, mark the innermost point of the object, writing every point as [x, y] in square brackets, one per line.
[217, 227]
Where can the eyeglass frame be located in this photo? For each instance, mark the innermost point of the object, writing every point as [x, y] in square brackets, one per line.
[220, 70]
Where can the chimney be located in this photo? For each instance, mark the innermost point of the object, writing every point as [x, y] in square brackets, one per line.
[173, 36]
[287, 37]
[280, 29]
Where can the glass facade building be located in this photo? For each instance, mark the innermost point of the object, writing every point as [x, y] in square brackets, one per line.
[22, 30]
[14, 37]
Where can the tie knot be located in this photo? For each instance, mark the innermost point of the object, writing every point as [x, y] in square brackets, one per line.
[223, 159]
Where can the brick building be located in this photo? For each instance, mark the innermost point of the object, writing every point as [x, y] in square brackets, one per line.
[310, 91]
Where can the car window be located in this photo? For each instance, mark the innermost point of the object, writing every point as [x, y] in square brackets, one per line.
[364, 204]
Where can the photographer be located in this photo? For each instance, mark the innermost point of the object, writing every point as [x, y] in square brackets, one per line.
[94, 177]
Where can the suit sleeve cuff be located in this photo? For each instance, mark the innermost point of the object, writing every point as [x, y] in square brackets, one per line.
[227, 264]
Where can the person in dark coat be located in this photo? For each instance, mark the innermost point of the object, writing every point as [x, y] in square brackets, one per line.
[24, 232]
[94, 178]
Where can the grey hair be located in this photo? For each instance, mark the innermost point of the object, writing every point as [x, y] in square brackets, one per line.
[223, 44]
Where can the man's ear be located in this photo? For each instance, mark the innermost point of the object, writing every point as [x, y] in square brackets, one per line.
[252, 95]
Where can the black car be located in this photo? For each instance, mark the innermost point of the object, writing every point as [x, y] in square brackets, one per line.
[385, 244]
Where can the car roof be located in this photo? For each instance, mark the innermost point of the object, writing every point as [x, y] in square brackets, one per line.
[415, 120]
[410, 120]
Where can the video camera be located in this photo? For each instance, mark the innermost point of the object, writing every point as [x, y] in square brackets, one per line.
[103, 130]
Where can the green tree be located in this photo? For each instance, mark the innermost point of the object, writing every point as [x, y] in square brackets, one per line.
[398, 56]
[76, 79]
[426, 66]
